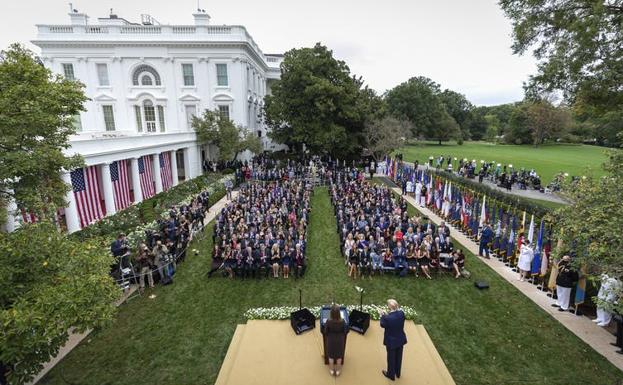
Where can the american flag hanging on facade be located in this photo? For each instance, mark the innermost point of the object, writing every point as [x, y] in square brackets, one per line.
[88, 195]
[165, 170]
[120, 184]
[146, 176]
[28, 216]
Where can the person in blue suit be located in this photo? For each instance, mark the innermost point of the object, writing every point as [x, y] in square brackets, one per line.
[394, 338]
[486, 236]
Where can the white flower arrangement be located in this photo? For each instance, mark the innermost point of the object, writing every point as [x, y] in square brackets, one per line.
[283, 312]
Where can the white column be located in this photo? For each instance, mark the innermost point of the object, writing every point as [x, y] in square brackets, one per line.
[157, 176]
[136, 181]
[12, 223]
[71, 211]
[191, 162]
[174, 167]
[109, 195]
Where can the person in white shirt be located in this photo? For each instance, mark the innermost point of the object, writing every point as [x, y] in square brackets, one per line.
[608, 294]
[418, 192]
[526, 254]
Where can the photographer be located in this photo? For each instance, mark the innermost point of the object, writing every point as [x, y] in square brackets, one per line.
[161, 258]
[145, 261]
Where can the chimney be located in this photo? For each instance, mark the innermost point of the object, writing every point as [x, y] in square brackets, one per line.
[78, 18]
[201, 18]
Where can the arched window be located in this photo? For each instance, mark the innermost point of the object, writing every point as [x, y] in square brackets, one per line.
[146, 80]
[143, 71]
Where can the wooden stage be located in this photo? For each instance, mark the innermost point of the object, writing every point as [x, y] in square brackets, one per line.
[268, 352]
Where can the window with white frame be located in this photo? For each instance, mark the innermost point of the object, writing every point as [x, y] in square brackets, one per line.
[221, 75]
[77, 123]
[109, 117]
[68, 71]
[190, 111]
[149, 117]
[149, 112]
[161, 118]
[223, 111]
[146, 80]
[102, 74]
[139, 118]
[187, 73]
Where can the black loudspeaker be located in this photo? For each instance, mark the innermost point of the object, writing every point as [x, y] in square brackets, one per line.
[481, 284]
[359, 321]
[302, 320]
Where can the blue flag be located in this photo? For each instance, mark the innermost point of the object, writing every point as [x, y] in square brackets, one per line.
[536, 261]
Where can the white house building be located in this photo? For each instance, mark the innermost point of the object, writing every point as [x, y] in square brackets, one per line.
[145, 81]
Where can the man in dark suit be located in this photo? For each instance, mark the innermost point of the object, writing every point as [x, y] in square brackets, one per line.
[394, 338]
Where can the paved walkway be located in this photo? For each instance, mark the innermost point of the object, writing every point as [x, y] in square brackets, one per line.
[595, 336]
[75, 338]
[529, 193]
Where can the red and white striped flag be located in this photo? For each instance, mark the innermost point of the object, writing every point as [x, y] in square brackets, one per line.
[86, 188]
[28, 216]
[146, 174]
[120, 184]
[165, 170]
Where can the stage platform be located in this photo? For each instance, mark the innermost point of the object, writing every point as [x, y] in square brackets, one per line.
[269, 353]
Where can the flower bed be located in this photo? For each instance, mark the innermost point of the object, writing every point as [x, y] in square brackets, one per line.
[283, 312]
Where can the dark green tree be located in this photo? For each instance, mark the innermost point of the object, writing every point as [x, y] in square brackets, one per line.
[49, 284]
[459, 108]
[578, 45]
[317, 103]
[37, 112]
[418, 101]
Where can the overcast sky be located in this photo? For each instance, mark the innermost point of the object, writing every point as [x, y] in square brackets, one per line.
[463, 45]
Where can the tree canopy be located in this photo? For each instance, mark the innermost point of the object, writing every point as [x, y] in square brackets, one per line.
[385, 135]
[419, 101]
[591, 223]
[230, 139]
[317, 103]
[37, 112]
[578, 45]
[49, 284]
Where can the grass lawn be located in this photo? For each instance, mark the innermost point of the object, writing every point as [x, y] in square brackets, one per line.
[181, 337]
[547, 160]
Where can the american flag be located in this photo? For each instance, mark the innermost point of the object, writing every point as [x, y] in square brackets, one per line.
[165, 170]
[120, 184]
[28, 216]
[88, 196]
[146, 176]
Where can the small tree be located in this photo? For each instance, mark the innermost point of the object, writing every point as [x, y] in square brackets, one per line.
[230, 139]
[37, 114]
[386, 135]
[591, 225]
[49, 284]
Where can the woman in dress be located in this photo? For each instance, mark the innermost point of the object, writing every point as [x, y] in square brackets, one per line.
[353, 261]
[275, 259]
[286, 261]
[458, 262]
[423, 258]
[526, 254]
[412, 258]
[335, 333]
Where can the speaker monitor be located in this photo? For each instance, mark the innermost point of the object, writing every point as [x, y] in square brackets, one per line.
[302, 320]
[481, 284]
[359, 321]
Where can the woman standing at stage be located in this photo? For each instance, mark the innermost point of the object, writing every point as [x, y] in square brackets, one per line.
[335, 332]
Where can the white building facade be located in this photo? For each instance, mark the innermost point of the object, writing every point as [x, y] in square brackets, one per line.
[145, 81]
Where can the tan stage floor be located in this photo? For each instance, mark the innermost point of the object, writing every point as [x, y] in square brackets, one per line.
[268, 352]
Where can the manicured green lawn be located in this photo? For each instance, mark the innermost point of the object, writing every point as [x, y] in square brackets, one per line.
[547, 160]
[181, 337]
